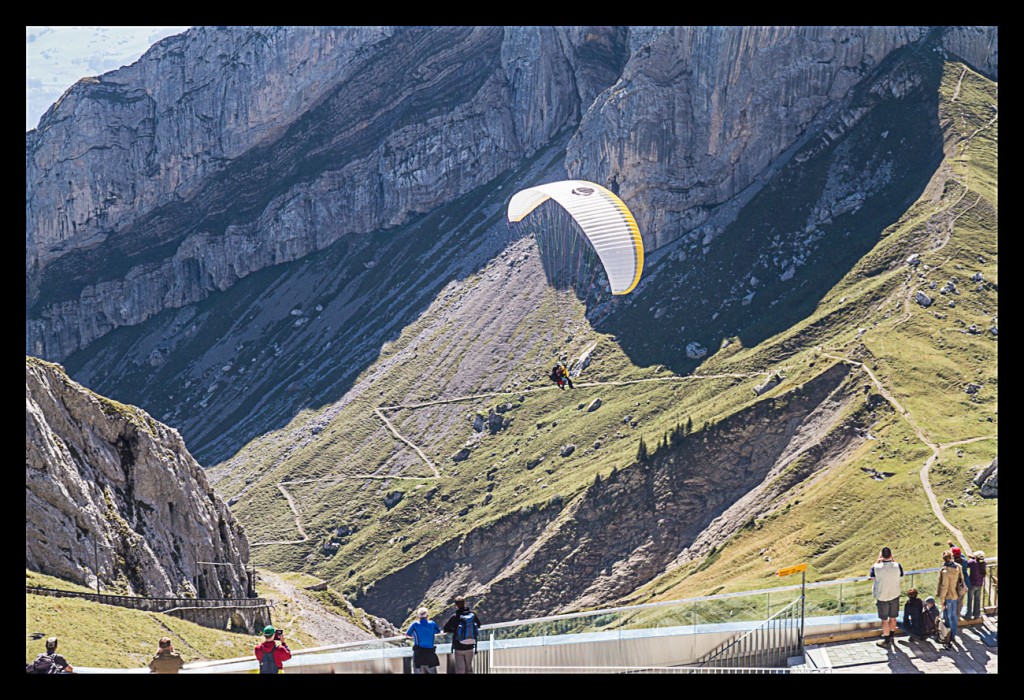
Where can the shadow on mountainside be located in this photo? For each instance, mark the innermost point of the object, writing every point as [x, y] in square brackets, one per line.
[828, 207]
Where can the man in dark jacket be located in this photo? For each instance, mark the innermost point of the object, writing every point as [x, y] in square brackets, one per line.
[279, 653]
[464, 626]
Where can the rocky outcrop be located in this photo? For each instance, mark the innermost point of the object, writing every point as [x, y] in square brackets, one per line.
[988, 480]
[700, 114]
[978, 47]
[110, 492]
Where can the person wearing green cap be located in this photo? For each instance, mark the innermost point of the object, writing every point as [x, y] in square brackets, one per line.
[270, 655]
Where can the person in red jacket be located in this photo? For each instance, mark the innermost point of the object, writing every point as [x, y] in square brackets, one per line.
[274, 653]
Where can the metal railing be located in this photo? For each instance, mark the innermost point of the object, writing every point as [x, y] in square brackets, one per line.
[771, 644]
[152, 604]
[629, 639]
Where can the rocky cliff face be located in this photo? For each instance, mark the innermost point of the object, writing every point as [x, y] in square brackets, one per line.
[176, 191]
[227, 150]
[107, 486]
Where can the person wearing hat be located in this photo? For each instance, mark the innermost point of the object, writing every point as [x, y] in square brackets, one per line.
[50, 662]
[424, 652]
[929, 618]
[913, 616]
[950, 578]
[166, 659]
[960, 560]
[975, 582]
[274, 654]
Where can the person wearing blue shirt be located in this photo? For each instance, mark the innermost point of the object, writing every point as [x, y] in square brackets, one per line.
[424, 654]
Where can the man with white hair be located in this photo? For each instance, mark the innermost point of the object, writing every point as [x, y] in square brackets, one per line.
[424, 653]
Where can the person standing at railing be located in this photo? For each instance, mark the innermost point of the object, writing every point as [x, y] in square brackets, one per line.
[50, 662]
[464, 627]
[976, 581]
[166, 659]
[270, 655]
[424, 652]
[885, 575]
[950, 578]
[961, 561]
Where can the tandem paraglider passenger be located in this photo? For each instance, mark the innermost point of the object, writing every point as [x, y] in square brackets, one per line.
[560, 376]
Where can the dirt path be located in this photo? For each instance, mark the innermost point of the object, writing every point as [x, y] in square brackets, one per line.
[379, 411]
[307, 613]
[936, 448]
[298, 521]
[947, 230]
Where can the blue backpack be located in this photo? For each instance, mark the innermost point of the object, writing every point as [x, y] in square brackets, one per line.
[468, 628]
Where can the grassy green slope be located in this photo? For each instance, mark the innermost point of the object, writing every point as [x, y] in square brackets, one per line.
[107, 636]
[923, 357]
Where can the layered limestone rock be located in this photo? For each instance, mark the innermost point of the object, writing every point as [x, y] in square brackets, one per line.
[110, 490]
[700, 113]
[224, 151]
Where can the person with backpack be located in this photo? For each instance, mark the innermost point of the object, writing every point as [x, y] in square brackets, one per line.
[424, 653]
[50, 662]
[464, 626]
[271, 655]
[166, 659]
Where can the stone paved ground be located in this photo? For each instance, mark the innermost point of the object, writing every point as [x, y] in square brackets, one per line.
[975, 651]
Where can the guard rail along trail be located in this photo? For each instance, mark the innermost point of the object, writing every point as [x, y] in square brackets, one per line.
[249, 615]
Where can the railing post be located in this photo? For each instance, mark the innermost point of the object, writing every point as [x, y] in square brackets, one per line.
[803, 599]
[840, 607]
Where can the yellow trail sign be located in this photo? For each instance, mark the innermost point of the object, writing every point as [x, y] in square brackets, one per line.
[791, 570]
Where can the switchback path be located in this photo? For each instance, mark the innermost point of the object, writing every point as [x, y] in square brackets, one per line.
[379, 411]
[936, 448]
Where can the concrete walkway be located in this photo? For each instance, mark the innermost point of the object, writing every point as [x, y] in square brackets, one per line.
[975, 650]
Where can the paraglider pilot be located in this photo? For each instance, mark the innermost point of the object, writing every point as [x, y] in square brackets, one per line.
[560, 376]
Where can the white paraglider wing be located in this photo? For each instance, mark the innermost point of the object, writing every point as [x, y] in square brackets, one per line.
[604, 220]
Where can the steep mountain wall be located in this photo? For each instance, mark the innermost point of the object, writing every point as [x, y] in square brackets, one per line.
[222, 152]
[108, 486]
[226, 150]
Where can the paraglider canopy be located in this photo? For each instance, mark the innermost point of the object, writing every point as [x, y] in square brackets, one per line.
[604, 220]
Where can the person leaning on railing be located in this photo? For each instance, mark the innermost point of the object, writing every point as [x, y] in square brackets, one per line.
[166, 659]
[976, 581]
